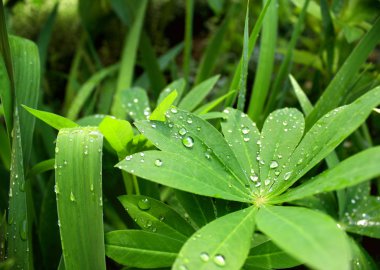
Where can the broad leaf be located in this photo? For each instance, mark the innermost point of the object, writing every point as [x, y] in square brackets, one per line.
[142, 249]
[355, 169]
[54, 120]
[155, 216]
[225, 242]
[309, 236]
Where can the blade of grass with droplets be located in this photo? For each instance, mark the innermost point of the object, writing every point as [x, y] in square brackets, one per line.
[159, 112]
[54, 120]
[135, 103]
[178, 86]
[242, 135]
[309, 236]
[79, 197]
[128, 59]
[214, 47]
[244, 67]
[142, 249]
[155, 216]
[269, 256]
[281, 133]
[220, 243]
[325, 135]
[266, 62]
[284, 70]
[86, 89]
[338, 88]
[354, 170]
[199, 208]
[197, 94]
[251, 46]
[189, 14]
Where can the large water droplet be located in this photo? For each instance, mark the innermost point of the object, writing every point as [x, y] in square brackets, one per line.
[144, 204]
[188, 142]
[158, 162]
[273, 164]
[173, 110]
[219, 260]
[204, 256]
[182, 131]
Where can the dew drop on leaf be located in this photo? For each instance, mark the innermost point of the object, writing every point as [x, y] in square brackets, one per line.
[267, 182]
[72, 197]
[23, 230]
[183, 267]
[208, 153]
[246, 139]
[254, 178]
[189, 120]
[173, 110]
[182, 131]
[245, 130]
[188, 142]
[144, 204]
[204, 256]
[287, 175]
[219, 260]
[273, 164]
[158, 162]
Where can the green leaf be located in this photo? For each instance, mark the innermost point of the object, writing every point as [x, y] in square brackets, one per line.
[41, 167]
[309, 236]
[223, 243]
[280, 135]
[360, 258]
[199, 208]
[87, 88]
[244, 68]
[142, 249]
[135, 103]
[338, 88]
[159, 112]
[6, 96]
[269, 256]
[242, 134]
[128, 59]
[54, 120]
[198, 94]
[326, 134]
[355, 169]
[79, 197]
[306, 105]
[5, 153]
[177, 85]
[118, 133]
[212, 104]
[155, 216]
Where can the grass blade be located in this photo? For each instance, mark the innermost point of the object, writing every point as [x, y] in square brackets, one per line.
[79, 197]
[188, 39]
[244, 69]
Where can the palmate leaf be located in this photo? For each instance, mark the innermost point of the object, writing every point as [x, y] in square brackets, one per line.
[155, 216]
[223, 243]
[307, 235]
[142, 249]
[360, 167]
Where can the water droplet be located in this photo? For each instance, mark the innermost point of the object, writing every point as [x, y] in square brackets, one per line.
[258, 142]
[72, 197]
[144, 204]
[92, 187]
[183, 267]
[161, 218]
[299, 161]
[10, 192]
[219, 260]
[245, 130]
[56, 150]
[287, 175]
[267, 182]
[182, 131]
[273, 164]
[173, 110]
[100, 201]
[135, 100]
[188, 142]
[189, 120]
[254, 178]
[153, 126]
[246, 139]
[158, 162]
[24, 230]
[204, 256]
[128, 158]
[22, 187]
[56, 189]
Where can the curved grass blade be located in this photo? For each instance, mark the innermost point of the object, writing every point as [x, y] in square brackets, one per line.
[54, 120]
[5, 153]
[244, 69]
[354, 170]
[177, 85]
[212, 104]
[86, 89]
[128, 59]
[338, 88]
[224, 242]
[324, 136]
[304, 101]
[307, 235]
[142, 249]
[6, 97]
[198, 94]
[189, 14]
[281, 133]
[155, 216]
[79, 197]
[269, 256]
[242, 135]
[185, 172]
[41, 167]
[159, 112]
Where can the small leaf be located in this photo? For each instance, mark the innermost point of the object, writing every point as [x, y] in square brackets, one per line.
[155, 216]
[177, 85]
[117, 132]
[159, 113]
[197, 94]
[142, 249]
[307, 235]
[305, 103]
[54, 120]
[223, 243]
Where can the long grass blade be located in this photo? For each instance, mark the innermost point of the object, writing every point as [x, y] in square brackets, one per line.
[244, 73]
[79, 197]
[188, 38]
